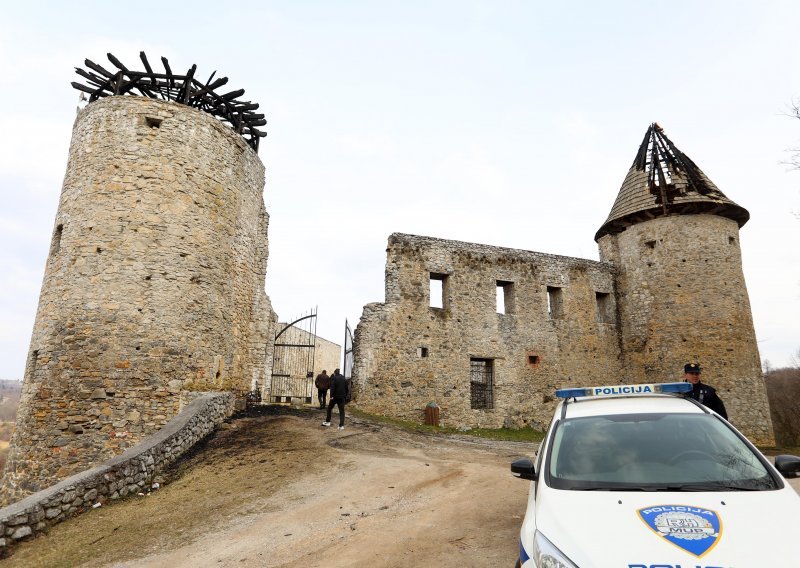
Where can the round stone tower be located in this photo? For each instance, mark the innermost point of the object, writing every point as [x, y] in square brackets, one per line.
[681, 294]
[154, 285]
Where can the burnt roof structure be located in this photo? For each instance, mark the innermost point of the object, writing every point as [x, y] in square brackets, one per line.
[183, 89]
[664, 181]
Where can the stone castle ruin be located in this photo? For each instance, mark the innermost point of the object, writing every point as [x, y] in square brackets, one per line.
[488, 333]
[154, 283]
[154, 290]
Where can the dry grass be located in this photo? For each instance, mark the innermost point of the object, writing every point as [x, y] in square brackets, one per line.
[227, 478]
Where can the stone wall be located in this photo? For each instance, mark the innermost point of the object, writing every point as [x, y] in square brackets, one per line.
[327, 355]
[127, 474]
[667, 291]
[682, 297]
[559, 329]
[154, 284]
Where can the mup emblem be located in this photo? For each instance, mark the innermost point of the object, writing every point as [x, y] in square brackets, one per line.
[694, 529]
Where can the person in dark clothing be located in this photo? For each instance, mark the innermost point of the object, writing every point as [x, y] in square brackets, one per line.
[339, 388]
[323, 383]
[701, 392]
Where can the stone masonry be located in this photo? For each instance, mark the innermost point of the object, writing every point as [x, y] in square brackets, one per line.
[131, 473]
[669, 289]
[682, 297]
[408, 353]
[327, 355]
[154, 285]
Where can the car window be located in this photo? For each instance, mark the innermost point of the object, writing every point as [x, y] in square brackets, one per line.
[653, 451]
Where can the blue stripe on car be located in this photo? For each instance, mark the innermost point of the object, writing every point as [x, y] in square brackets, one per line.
[523, 556]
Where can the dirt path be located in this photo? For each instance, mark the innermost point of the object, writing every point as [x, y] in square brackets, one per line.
[280, 490]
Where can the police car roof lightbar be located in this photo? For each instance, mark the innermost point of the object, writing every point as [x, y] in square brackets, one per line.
[624, 389]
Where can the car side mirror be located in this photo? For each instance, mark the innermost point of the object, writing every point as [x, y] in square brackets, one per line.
[787, 465]
[524, 469]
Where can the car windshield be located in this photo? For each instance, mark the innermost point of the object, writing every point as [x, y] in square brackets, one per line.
[653, 452]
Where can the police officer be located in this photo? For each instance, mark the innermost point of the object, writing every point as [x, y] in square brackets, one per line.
[701, 392]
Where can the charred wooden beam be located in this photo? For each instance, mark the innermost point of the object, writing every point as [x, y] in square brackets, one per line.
[168, 70]
[145, 62]
[116, 62]
[91, 77]
[95, 67]
[184, 89]
[199, 95]
[187, 85]
[232, 95]
[247, 106]
[83, 88]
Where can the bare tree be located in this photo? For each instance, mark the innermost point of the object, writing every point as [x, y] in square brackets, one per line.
[794, 360]
[783, 391]
[794, 153]
[794, 112]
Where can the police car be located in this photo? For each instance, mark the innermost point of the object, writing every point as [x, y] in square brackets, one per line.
[630, 476]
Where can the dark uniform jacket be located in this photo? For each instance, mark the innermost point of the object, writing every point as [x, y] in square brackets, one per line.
[707, 396]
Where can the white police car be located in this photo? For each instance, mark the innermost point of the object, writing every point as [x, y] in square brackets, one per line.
[630, 477]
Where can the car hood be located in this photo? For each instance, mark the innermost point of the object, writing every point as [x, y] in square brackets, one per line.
[641, 529]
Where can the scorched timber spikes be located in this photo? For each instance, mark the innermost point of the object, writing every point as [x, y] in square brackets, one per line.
[168, 86]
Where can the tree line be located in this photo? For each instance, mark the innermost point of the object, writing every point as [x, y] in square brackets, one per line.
[783, 391]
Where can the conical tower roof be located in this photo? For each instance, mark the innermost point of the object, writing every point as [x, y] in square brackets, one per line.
[663, 181]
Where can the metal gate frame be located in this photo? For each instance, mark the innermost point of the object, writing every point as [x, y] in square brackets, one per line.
[347, 365]
[293, 361]
[348, 351]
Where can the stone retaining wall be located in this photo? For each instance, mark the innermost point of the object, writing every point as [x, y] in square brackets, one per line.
[129, 473]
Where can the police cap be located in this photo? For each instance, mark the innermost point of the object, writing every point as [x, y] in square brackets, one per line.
[691, 368]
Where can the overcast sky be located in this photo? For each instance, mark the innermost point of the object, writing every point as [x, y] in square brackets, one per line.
[500, 122]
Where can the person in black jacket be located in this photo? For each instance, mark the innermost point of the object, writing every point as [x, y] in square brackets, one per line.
[701, 392]
[339, 388]
[323, 383]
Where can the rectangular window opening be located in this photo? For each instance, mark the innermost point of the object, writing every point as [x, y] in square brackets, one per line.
[604, 314]
[422, 351]
[481, 383]
[555, 308]
[533, 360]
[437, 290]
[153, 122]
[505, 297]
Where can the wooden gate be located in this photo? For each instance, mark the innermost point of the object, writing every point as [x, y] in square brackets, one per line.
[293, 361]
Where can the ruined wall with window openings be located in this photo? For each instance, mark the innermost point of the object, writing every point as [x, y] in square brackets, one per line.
[489, 333]
[484, 368]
